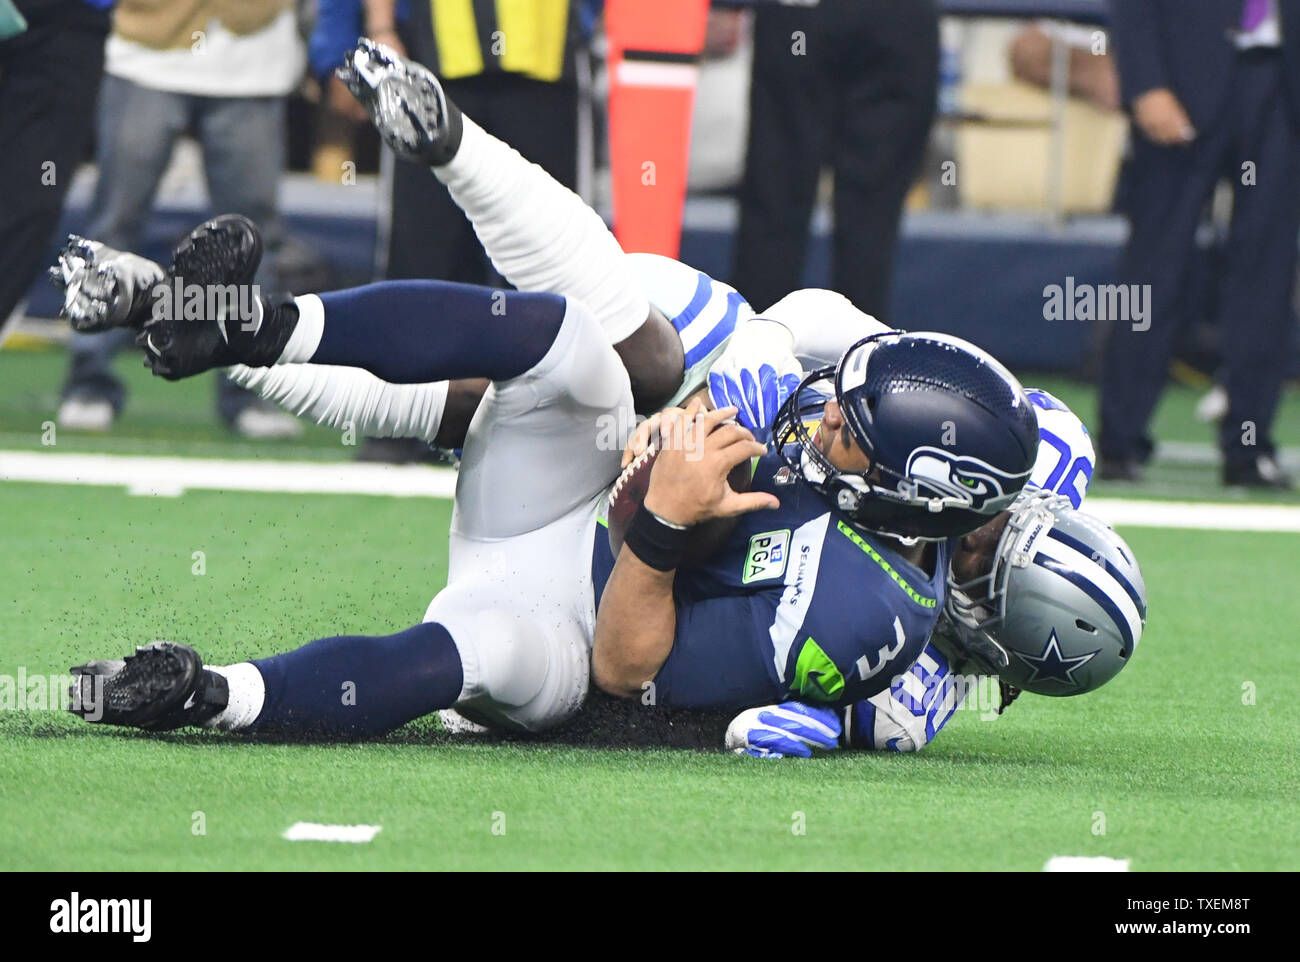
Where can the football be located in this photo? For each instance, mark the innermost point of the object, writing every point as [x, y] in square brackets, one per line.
[629, 492]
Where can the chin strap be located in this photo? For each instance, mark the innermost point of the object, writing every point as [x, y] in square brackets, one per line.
[979, 650]
[981, 653]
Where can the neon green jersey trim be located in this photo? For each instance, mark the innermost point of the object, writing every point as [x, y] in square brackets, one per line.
[875, 556]
[815, 675]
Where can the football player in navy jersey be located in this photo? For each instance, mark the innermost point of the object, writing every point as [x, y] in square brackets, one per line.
[843, 581]
[1069, 618]
[799, 600]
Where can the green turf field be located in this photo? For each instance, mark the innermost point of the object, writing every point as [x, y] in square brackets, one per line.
[1168, 760]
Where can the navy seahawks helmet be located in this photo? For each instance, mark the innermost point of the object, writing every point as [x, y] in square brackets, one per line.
[1063, 606]
[951, 435]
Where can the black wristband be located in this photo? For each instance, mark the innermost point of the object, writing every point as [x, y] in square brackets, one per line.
[658, 543]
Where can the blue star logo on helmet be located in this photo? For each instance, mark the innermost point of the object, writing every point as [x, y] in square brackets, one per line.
[1052, 665]
[976, 483]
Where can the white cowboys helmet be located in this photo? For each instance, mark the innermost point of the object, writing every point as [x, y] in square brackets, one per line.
[1063, 608]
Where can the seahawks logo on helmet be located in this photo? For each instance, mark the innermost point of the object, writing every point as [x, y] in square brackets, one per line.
[977, 483]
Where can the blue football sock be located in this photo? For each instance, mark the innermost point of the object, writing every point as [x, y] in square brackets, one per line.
[359, 685]
[410, 332]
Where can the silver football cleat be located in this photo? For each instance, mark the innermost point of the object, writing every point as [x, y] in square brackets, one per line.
[103, 287]
[404, 101]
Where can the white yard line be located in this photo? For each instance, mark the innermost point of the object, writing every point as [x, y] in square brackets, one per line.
[1196, 515]
[316, 832]
[170, 477]
[1085, 863]
[173, 476]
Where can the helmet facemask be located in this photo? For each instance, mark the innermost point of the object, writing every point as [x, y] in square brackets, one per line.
[844, 489]
[881, 499]
[974, 609]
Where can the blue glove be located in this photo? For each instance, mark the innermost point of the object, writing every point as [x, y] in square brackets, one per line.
[790, 728]
[758, 393]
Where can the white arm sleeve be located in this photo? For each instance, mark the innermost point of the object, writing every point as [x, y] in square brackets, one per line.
[540, 235]
[821, 324]
[344, 397]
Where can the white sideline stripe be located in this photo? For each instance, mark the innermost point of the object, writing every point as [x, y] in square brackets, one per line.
[1085, 863]
[1197, 515]
[170, 477]
[316, 832]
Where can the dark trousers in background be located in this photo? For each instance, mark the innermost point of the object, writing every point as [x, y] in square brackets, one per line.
[428, 235]
[1167, 191]
[851, 84]
[49, 78]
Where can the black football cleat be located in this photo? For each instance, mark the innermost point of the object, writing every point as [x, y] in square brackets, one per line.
[161, 687]
[218, 260]
[405, 102]
[221, 251]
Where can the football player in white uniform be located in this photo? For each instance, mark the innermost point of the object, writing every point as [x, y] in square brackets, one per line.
[759, 368]
[760, 365]
[510, 637]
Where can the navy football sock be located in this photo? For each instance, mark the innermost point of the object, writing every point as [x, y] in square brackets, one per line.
[411, 332]
[360, 685]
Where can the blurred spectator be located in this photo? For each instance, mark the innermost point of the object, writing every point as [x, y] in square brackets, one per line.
[220, 69]
[717, 127]
[511, 67]
[518, 69]
[852, 84]
[49, 78]
[1214, 91]
[1092, 73]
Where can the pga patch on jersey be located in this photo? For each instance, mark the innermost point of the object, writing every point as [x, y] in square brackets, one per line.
[768, 553]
